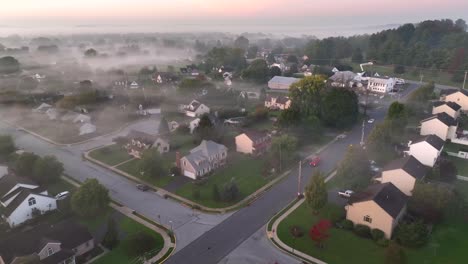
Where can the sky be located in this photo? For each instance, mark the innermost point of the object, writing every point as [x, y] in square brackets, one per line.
[234, 12]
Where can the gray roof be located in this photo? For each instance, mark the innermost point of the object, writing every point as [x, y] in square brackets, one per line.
[343, 76]
[452, 91]
[409, 164]
[452, 105]
[284, 80]
[9, 181]
[444, 118]
[209, 148]
[386, 195]
[433, 140]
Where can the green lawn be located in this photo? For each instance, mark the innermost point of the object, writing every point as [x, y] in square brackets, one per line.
[131, 168]
[129, 227]
[342, 246]
[110, 155]
[246, 172]
[462, 165]
[60, 186]
[462, 188]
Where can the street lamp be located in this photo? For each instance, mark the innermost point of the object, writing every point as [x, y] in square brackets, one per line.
[170, 222]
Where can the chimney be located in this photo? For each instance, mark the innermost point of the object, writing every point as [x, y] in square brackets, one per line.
[178, 159]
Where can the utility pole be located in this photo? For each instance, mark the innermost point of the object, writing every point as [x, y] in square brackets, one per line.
[422, 76]
[299, 176]
[280, 157]
[464, 80]
[362, 133]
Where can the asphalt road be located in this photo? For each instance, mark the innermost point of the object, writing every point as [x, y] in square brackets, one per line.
[219, 241]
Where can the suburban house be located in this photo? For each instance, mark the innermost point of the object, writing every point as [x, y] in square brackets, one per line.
[427, 150]
[457, 96]
[138, 142]
[203, 159]
[52, 113]
[277, 102]
[61, 243]
[380, 84]
[403, 173]
[450, 108]
[441, 125]
[194, 109]
[134, 85]
[87, 128]
[22, 199]
[342, 79]
[253, 142]
[379, 206]
[281, 83]
[194, 124]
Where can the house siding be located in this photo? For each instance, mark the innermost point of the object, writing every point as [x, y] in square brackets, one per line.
[24, 212]
[458, 98]
[424, 153]
[380, 219]
[436, 127]
[84, 248]
[44, 253]
[401, 179]
[445, 109]
[244, 144]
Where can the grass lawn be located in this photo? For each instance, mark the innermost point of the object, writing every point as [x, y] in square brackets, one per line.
[110, 155]
[131, 168]
[245, 170]
[462, 165]
[60, 186]
[129, 227]
[341, 247]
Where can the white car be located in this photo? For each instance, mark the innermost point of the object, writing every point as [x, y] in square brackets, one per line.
[62, 195]
[371, 121]
[346, 193]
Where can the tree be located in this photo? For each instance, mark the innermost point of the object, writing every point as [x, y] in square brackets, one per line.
[139, 243]
[292, 59]
[275, 71]
[399, 69]
[428, 201]
[151, 164]
[163, 127]
[394, 254]
[340, 108]
[47, 170]
[354, 170]
[91, 53]
[357, 55]
[241, 43]
[24, 165]
[397, 115]
[271, 58]
[230, 191]
[380, 143]
[413, 234]
[7, 146]
[316, 192]
[461, 24]
[306, 95]
[283, 149]
[252, 52]
[447, 170]
[90, 199]
[289, 117]
[111, 237]
[296, 231]
[215, 193]
[9, 65]
[257, 71]
[319, 232]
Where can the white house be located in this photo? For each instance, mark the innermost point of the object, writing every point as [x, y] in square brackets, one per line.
[22, 199]
[205, 158]
[195, 108]
[194, 124]
[277, 102]
[450, 108]
[403, 173]
[441, 125]
[427, 150]
[281, 83]
[343, 79]
[381, 84]
[134, 85]
[457, 96]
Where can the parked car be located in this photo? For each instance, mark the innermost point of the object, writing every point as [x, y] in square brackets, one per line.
[314, 162]
[370, 121]
[62, 195]
[142, 187]
[346, 193]
[341, 136]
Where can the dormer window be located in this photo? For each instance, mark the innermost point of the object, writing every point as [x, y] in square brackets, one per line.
[32, 201]
[50, 251]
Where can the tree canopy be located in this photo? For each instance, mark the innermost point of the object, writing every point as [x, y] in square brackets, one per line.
[316, 194]
[9, 65]
[340, 108]
[354, 170]
[257, 71]
[7, 146]
[151, 164]
[90, 199]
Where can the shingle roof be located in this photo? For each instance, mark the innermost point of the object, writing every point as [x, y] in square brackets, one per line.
[444, 118]
[58, 257]
[433, 140]
[386, 195]
[284, 80]
[409, 164]
[452, 91]
[209, 148]
[255, 135]
[23, 193]
[9, 181]
[452, 105]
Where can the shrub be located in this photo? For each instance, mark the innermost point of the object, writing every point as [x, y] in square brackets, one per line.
[336, 215]
[383, 242]
[296, 231]
[377, 234]
[347, 224]
[412, 234]
[362, 230]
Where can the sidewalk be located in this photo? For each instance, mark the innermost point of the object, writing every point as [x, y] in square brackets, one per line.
[273, 234]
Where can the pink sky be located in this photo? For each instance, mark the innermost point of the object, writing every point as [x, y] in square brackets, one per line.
[118, 10]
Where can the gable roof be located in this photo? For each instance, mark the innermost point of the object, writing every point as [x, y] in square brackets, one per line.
[452, 91]
[409, 164]
[444, 118]
[432, 140]
[452, 105]
[284, 80]
[7, 182]
[254, 135]
[22, 194]
[209, 148]
[385, 195]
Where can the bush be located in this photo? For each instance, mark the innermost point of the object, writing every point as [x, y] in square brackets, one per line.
[377, 234]
[383, 242]
[412, 234]
[336, 215]
[138, 244]
[296, 231]
[362, 230]
[347, 224]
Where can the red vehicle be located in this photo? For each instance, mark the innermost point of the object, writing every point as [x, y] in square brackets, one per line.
[314, 162]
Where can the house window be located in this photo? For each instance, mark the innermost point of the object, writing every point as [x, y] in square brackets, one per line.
[32, 201]
[367, 219]
[50, 251]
